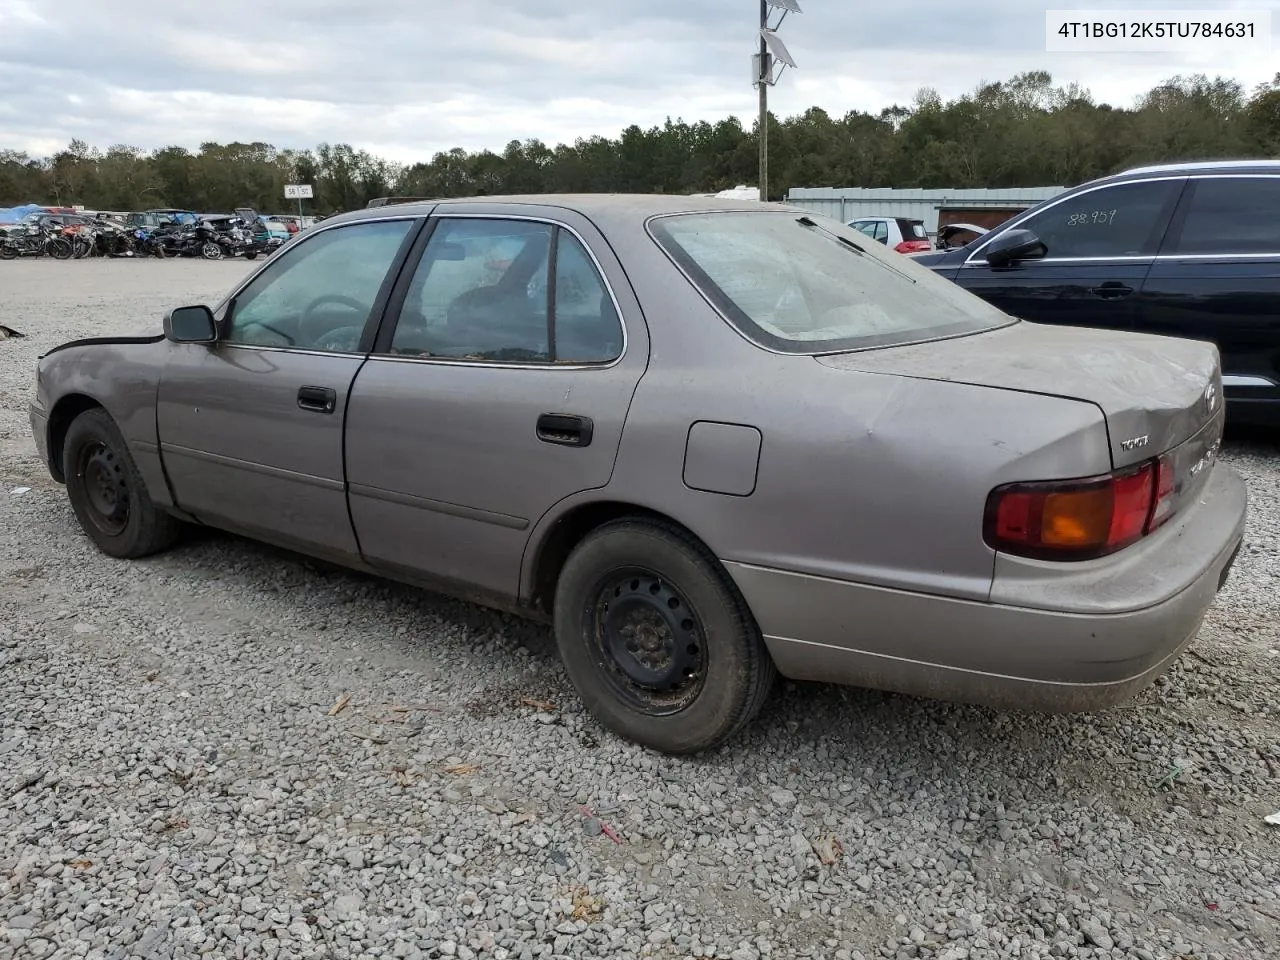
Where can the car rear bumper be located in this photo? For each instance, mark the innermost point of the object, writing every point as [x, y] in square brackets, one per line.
[1084, 654]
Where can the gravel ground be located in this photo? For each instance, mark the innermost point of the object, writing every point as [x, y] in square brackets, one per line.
[176, 781]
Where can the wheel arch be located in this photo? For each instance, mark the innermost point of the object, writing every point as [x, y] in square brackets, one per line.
[65, 411]
[556, 536]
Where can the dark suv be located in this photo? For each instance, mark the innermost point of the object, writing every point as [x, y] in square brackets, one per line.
[1188, 250]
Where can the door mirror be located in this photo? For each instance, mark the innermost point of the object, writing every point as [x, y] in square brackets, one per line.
[190, 325]
[1014, 245]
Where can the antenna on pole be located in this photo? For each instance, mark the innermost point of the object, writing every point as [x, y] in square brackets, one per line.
[771, 48]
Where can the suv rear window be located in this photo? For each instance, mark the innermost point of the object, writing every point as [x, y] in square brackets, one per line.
[913, 230]
[809, 284]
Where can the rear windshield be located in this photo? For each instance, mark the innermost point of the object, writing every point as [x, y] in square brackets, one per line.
[913, 230]
[804, 283]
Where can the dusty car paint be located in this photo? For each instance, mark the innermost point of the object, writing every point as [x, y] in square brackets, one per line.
[852, 523]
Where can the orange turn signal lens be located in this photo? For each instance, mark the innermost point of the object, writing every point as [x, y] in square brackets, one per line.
[1072, 519]
[1079, 519]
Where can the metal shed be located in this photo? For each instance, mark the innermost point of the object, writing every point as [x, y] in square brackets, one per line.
[849, 203]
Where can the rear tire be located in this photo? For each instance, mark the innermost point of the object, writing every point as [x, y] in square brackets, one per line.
[107, 492]
[59, 249]
[657, 639]
[211, 251]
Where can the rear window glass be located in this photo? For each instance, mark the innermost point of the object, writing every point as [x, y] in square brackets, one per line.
[913, 230]
[809, 284]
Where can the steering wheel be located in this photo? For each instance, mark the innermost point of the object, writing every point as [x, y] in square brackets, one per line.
[341, 340]
[331, 298]
[307, 319]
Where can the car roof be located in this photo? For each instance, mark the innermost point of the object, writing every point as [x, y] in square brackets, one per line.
[1192, 168]
[595, 206]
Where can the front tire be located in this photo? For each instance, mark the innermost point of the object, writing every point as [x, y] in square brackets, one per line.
[211, 251]
[657, 639]
[107, 492]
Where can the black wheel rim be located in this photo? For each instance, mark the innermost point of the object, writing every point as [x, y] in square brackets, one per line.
[648, 641]
[106, 493]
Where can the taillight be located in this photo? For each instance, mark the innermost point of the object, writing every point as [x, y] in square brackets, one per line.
[1079, 519]
[912, 246]
[1165, 489]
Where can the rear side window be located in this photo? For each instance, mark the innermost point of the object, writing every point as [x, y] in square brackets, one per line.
[481, 293]
[1122, 220]
[1231, 215]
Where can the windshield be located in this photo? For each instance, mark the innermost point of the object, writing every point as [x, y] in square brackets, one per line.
[804, 283]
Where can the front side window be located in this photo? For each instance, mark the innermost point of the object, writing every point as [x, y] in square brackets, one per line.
[320, 294]
[1231, 215]
[481, 292]
[1123, 220]
[807, 284]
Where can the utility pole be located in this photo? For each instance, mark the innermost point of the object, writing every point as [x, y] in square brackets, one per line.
[766, 74]
[772, 50]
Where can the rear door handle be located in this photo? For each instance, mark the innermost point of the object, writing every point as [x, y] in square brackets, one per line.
[565, 429]
[1112, 290]
[318, 399]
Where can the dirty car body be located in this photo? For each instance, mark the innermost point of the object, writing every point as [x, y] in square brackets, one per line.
[709, 441]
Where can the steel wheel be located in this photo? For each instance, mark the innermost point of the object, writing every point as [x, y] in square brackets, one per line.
[656, 638]
[105, 486]
[649, 641]
[108, 494]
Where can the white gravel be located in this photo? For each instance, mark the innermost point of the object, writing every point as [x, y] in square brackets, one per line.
[173, 782]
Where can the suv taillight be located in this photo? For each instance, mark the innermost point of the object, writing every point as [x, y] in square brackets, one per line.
[1080, 519]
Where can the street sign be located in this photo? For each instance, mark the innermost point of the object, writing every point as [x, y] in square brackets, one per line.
[297, 191]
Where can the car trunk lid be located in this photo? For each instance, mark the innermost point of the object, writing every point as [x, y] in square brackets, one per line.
[1155, 392]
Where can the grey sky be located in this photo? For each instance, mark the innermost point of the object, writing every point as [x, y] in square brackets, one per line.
[406, 78]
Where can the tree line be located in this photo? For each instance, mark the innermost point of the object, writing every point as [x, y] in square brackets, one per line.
[1022, 132]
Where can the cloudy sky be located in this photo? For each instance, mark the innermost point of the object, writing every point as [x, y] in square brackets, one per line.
[406, 78]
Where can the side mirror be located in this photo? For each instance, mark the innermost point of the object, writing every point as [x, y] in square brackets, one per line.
[190, 325]
[1014, 245]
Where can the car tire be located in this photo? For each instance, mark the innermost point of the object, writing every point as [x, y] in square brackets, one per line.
[107, 492]
[657, 640]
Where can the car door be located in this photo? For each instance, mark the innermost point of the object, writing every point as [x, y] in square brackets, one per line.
[501, 389]
[1217, 277]
[1101, 243]
[251, 426]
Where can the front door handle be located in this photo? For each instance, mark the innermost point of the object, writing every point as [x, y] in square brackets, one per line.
[565, 429]
[318, 399]
[1112, 290]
